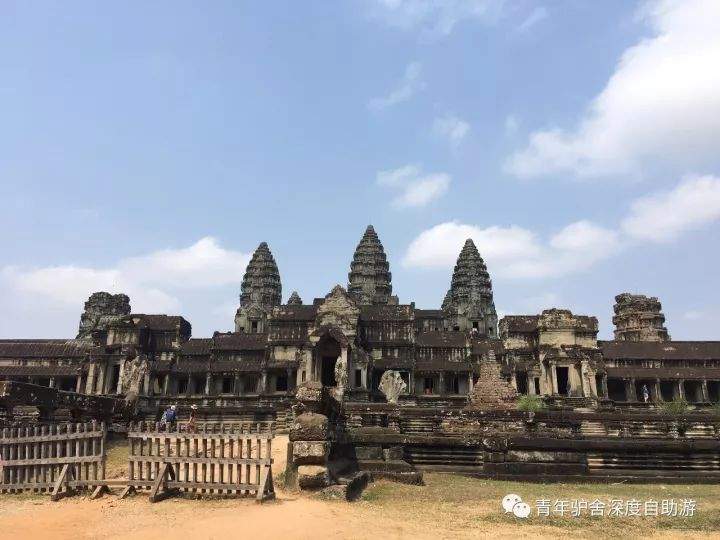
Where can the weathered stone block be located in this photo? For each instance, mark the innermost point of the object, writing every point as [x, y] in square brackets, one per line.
[393, 453]
[313, 477]
[544, 457]
[310, 452]
[309, 427]
[368, 452]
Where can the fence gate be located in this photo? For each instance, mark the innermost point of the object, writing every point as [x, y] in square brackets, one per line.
[220, 459]
[56, 458]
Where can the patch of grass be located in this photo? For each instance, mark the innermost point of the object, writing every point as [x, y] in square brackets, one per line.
[467, 504]
[529, 403]
[676, 407]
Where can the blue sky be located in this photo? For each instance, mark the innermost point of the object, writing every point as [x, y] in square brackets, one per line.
[148, 147]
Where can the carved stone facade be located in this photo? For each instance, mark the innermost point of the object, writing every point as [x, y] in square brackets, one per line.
[639, 318]
[346, 341]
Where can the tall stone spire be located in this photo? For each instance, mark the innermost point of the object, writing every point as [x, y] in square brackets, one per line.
[370, 281]
[639, 318]
[261, 290]
[469, 304]
[294, 299]
[261, 283]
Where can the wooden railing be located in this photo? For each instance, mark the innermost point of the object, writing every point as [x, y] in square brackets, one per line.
[221, 459]
[56, 458]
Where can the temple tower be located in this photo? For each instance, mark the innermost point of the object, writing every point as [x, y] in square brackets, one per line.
[101, 309]
[639, 318]
[294, 299]
[370, 280]
[469, 304]
[261, 291]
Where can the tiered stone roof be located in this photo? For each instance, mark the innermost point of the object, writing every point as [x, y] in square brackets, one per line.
[370, 280]
[471, 280]
[294, 299]
[261, 284]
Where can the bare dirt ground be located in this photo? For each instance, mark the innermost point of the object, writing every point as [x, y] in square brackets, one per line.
[447, 507]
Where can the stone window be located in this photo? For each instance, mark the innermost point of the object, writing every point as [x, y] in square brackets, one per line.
[358, 378]
[228, 384]
[428, 385]
[281, 383]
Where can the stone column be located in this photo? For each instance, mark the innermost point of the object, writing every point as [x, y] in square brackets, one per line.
[78, 384]
[553, 376]
[630, 392]
[90, 382]
[236, 384]
[166, 384]
[208, 384]
[51, 383]
[148, 383]
[680, 389]
[658, 393]
[705, 393]
[289, 381]
[442, 383]
[263, 382]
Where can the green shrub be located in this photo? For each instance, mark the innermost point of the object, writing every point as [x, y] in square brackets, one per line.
[530, 403]
[676, 407]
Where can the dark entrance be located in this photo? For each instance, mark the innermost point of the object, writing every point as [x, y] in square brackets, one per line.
[521, 378]
[562, 380]
[714, 391]
[327, 376]
[667, 390]
[616, 389]
[328, 352]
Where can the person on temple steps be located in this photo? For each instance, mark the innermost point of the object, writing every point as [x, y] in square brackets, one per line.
[169, 417]
[191, 425]
[645, 393]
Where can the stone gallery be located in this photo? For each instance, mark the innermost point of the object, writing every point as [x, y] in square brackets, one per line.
[369, 387]
[352, 337]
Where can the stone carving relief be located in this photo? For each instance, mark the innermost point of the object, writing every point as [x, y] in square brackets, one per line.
[392, 385]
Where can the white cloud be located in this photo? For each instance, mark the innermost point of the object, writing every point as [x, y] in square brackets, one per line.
[537, 15]
[452, 128]
[693, 315]
[409, 85]
[433, 16]
[662, 104]
[149, 280]
[663, 216]
[416, 189]
[515, 252]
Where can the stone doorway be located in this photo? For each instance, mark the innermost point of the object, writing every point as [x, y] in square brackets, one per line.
[327, 374]
[562, 380]
[328, 352]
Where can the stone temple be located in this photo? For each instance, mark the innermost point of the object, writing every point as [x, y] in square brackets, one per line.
[347, 339]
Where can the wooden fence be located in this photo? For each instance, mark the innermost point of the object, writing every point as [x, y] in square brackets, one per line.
[56, 458]
[220, 459]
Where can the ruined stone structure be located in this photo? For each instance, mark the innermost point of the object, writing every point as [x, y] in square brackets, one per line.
[639, 318]
[101, 309]
[347, 339]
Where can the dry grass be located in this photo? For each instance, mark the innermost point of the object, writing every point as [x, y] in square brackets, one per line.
[460, 504]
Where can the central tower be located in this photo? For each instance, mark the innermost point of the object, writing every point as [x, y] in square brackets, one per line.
[369, 280]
